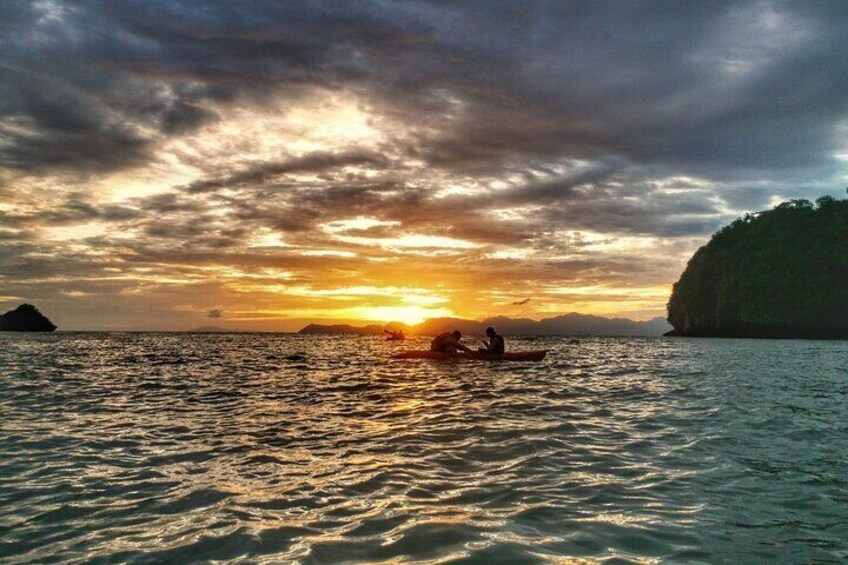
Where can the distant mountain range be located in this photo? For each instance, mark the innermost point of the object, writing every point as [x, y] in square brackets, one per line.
[567, 324]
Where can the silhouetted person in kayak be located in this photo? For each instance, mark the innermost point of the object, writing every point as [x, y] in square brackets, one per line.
[448, 343]
[495, 345]
[395, 335]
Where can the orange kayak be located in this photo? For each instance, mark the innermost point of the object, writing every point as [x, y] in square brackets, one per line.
[537, 355]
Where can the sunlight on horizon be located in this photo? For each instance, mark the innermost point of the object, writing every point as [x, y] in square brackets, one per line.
[409, 315]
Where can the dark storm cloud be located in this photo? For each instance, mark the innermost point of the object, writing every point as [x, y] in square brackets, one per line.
[77, 208]
[76, 211]
[559, 188]
[730, 84]
[310, 163]
[652, 214]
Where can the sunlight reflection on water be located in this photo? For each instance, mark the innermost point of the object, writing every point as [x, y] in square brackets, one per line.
[273, 448]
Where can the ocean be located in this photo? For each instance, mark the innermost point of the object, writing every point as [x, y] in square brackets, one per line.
[279, 448]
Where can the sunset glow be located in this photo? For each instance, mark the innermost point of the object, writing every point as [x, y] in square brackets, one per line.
[277, 178]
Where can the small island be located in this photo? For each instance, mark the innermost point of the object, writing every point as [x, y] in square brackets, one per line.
[340, 329]
[25, 318]
[781, 273]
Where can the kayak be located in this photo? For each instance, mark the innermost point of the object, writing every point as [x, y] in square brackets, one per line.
[537, 355]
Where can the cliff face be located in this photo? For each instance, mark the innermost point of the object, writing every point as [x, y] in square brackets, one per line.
[25, 318]
[776, 274]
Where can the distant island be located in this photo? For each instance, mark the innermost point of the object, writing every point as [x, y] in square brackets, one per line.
[372, 329]
[25, 318]
[781, 273]
[568, 324]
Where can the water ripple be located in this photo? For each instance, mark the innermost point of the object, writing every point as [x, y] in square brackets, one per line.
[257, 448]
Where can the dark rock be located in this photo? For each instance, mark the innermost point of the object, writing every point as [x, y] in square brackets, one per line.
[25, 318]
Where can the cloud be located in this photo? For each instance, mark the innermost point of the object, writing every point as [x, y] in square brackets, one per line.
[162, 147]
[264, 172]
[215, 313]
[742, 84]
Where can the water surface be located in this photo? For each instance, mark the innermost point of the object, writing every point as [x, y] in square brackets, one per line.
[262, 448]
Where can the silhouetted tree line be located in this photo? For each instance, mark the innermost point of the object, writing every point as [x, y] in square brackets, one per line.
[778, 273]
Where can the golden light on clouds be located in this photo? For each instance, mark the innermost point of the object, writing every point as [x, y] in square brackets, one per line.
[411, 241]
[358, 223]
[75, 232]
[367, 178]
[249, 133]
[350, 268]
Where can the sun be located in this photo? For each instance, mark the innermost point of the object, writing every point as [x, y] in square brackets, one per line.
[409, 315]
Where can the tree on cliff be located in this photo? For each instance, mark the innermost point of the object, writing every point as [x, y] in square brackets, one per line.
[779, 273]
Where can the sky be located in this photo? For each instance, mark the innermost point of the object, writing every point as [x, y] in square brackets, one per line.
[259, 165]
